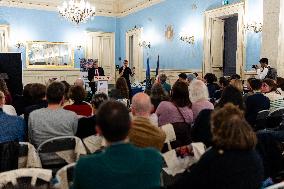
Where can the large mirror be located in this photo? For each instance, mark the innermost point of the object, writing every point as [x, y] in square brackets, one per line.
[43, 54]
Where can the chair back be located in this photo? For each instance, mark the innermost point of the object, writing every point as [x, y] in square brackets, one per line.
[261, 120]
[262, 115]
[60, 151]
[276, 113]
[275, 118]
[65, 176]
[27, 177]
[28, 156]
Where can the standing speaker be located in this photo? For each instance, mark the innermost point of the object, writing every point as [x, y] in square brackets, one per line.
[11, 66]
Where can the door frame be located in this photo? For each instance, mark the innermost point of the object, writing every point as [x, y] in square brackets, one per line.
[223, 12]
[138, 51]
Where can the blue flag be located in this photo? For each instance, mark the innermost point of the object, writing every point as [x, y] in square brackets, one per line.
[148, 75]
[158, 66]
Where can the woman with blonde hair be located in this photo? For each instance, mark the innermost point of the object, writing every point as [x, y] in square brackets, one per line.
[232, 162]
[199, 96]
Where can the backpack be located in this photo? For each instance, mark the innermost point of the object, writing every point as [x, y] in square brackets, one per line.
[271, 74]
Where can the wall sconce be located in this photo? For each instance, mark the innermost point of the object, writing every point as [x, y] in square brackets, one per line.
[145, 44]
[187, 38]
[255, 27]
[19, 45]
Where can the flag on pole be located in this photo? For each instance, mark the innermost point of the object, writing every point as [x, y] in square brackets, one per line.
[148, 75]
[158, 66]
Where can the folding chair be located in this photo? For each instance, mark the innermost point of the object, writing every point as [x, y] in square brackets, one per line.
[65, 176]
[261, 120]
[28, 156]
[275, 118]
[57, 152]
[26, 177]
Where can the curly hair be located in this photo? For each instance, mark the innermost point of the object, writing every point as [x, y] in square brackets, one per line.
[3, 87]
[230, 129]
[121, 85]
[231, 95]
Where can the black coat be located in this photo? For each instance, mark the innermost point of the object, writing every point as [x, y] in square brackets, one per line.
[228, 170]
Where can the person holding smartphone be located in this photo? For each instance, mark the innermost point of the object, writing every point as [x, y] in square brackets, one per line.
[126, 72]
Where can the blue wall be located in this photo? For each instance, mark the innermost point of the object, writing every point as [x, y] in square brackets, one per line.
[49, 26]
[176, 54]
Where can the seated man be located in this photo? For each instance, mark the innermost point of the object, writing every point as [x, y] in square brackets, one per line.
[143, 133]
[256, 102]
[12, 128]
[121, 165]
[53, 121]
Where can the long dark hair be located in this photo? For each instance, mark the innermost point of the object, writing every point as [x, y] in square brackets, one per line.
[121, 85]
[180, 94]
[231, 95]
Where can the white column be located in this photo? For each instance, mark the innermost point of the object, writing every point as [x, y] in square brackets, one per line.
[280, 58]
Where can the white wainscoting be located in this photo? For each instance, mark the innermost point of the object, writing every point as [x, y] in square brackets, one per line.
[43, 75]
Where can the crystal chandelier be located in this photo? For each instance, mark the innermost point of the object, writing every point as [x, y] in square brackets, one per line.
[77, 11]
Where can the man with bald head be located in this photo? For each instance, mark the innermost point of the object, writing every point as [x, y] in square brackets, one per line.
[143, 133]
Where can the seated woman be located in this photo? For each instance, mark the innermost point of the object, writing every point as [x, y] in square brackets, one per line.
[158, 95]
[178, 109]
[269, 88]
[199, 96]
[121, 90]
[232, 162]
[81, 108]
[5, 90]
[86, 125]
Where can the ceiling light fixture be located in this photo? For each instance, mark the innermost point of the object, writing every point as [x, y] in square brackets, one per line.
[77, 11]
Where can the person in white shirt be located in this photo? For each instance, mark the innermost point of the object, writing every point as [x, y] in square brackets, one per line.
[263, 70]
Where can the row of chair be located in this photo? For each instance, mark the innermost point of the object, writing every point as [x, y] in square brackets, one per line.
[266, 119]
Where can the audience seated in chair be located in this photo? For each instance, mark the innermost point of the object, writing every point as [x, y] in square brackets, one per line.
[52, 121]
[232, 162]
[5, 90]
[38, 97]
[199, 96]
[143, 133]
[256, 102]
[178, 110]
[120, 165]
[167, 87]
[158, 95]
[210, 80]
[269, 88]
[12, 128]
[78, 95]
[86, 125]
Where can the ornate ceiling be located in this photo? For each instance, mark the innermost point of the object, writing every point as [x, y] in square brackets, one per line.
[103, 7]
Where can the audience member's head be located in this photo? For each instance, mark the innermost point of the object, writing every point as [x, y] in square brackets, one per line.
[163, 78]
[38, 92]
[3, 87]
[235, 76]
[55, 93]
[2, 99]
[180, 94]
[121, 85]
[113, 121]
[268, 85]
[182, 77]
[79, 82]
[224, 82]
[280, 83]
[157, 90]
[141, 105]
[210, 78]
[190, 77]
[249, 83]
[97, 100]
[255, 84]
[231, 95]
[196, 74]
[198, 91]
[263, 62]
[77, 94]
[230, 130]
[67, 88]
[238, 84]
[95, 64]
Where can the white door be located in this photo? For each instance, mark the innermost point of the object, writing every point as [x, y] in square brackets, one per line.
[101, 46]
[217, 46]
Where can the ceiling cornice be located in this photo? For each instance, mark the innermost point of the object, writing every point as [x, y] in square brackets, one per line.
[102, 8]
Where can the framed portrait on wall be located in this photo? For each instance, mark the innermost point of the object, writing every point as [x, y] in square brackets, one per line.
[44, 54]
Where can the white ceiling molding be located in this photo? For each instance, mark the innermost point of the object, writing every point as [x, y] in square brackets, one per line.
[111, 8]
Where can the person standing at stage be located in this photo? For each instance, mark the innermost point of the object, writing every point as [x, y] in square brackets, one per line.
[95, 70]
[126, 72]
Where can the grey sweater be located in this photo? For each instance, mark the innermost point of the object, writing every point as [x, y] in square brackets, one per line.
[45, 124]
